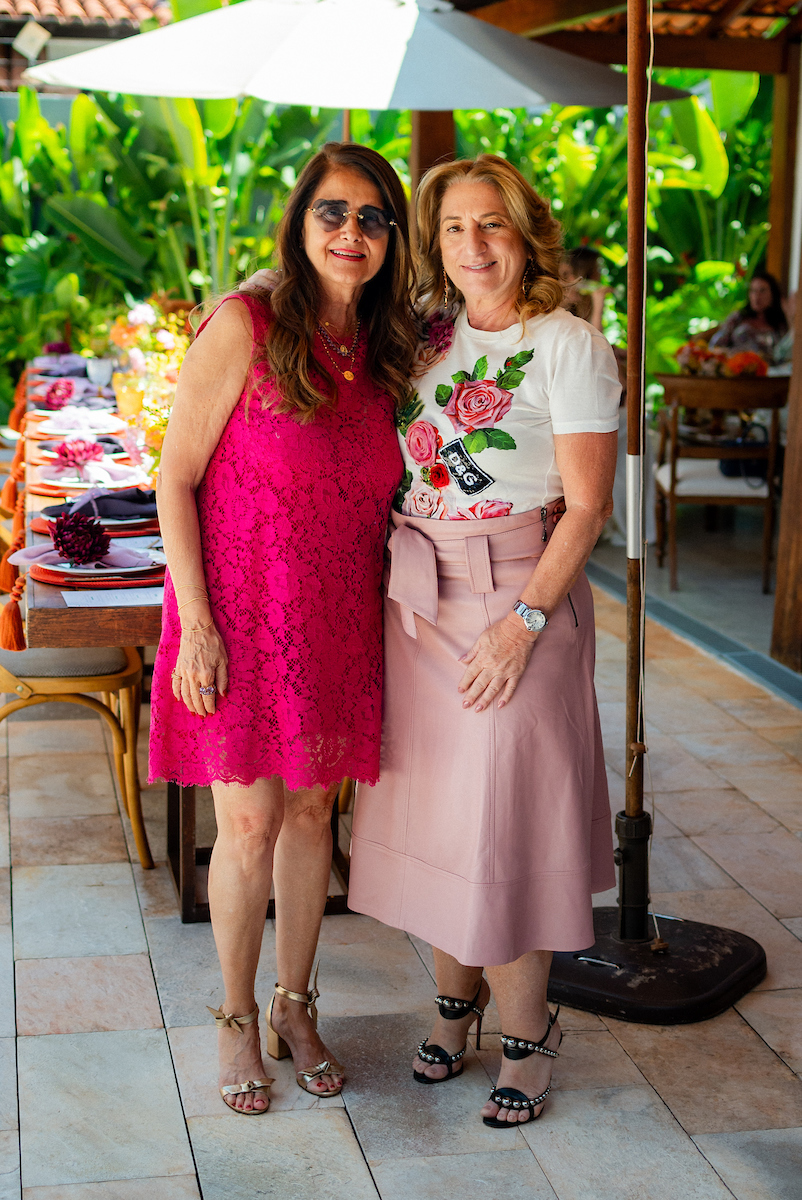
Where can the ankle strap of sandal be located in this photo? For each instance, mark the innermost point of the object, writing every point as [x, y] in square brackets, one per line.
[223, 1020]
[453, 1009]
[515, 1048]
[307, 998]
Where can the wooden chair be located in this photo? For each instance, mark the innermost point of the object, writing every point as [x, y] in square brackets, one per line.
[687, 469]
[41, 675]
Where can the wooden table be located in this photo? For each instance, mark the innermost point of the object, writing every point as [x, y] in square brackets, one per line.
[50, 622]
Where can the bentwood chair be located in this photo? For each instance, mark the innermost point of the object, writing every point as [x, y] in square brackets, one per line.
[688, 460]
[115, 673]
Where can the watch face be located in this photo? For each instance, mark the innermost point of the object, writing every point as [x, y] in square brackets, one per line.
[534, 620]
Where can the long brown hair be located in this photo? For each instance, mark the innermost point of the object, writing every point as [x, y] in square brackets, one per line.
[531, 215]
[385, 305]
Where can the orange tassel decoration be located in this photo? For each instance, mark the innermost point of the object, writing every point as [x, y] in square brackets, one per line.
[12, 633]
[18, 524]
[20, 399]
[8, 572]
[8, 496]
[19, 453]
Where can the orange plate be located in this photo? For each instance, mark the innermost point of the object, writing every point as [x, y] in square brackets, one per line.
[66, 579]
[133, 529]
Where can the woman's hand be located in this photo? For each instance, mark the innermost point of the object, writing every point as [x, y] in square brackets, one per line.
[495, 663]
[202, 660]
[265, 279]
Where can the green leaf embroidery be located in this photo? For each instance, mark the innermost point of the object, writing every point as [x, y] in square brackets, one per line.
[519, 360]
[475, 442]
[480, 370]
[409, 413]
[442, 394]
[403, 488]
[509, 379]
[461, 377]
[497, 439]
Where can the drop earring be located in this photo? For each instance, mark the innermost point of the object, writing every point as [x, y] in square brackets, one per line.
[529, 265]
[445, 289]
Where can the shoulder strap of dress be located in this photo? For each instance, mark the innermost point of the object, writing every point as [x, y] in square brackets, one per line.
[258, 309]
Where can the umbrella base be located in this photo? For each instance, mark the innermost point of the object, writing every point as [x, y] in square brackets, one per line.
[703, 972]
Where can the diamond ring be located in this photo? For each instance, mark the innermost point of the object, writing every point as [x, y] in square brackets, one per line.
[208, 691]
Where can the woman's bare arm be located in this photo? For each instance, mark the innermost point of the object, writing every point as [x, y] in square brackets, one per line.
[212, 378]
[499, 656]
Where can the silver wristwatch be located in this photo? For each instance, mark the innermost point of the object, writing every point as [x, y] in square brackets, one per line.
[533, 618]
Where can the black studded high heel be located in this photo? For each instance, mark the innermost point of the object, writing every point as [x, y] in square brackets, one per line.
[517, 1048]
[451, 1009]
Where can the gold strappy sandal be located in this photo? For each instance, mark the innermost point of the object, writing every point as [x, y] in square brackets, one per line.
[222, 1020]
[278, 1048]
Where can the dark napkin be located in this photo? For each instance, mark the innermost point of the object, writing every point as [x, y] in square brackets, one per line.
[131, 504]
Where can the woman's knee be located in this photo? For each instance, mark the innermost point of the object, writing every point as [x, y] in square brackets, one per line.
[308, 811]
[248, 834]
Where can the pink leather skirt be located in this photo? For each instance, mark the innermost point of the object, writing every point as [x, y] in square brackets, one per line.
[487, 832]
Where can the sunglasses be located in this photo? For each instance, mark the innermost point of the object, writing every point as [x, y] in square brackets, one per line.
[332, 214]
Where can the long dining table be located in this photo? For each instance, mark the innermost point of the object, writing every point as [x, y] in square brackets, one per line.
[52, 623]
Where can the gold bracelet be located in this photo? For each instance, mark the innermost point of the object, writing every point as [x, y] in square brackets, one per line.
[198, 628]
[183, 586]
[195, 601]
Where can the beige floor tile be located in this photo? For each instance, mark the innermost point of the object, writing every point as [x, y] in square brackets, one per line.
[736, 909]
[788, 738]
[179, 1187]
[777, 1017]
[712, 679]
[610, 682]
[673, 769]
[768, 865]
[61, 785]
[610, 648]
[587, 1060]
[9, 1165]
[54, 841]
[717, 1076]
[776, 787]
[383, 974]
[297, 1155]
[7, 1000]
[86, 995]
[5, 895]
[662, 643]
[765, 712]
[80, 1137]
[514, 1176]
[619, 1144]
[681, 710]
[5, 844]
[728, 749]
[795, 925]
[9, 1118]
[72, 911]
[765, 1164]
[156, 891]
[708, 811]
[677, 865]
[194, 1053]
[55, 737]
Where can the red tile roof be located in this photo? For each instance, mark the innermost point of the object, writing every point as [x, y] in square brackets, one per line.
[85, 12]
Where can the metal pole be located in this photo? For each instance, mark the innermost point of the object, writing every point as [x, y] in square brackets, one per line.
[634, 826]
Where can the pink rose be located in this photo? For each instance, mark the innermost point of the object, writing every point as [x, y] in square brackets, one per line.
[477, 404]
[485, 508]
[423, 501]
[423, 442]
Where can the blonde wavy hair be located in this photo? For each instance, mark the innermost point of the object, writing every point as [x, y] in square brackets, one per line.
[530, 214]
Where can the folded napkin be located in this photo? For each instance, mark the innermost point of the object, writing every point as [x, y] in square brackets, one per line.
[73, 365]
[110, 444]
[48, 556]
[100, 473]
[80, 420]
[135, 504]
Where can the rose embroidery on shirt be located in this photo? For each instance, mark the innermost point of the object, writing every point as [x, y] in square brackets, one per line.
[475, 405]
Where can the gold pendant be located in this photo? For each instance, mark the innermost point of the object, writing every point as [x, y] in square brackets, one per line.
[343, 349]
[349, 375]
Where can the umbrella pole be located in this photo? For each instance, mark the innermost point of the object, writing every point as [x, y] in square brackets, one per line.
[699, 970]
[633, 826]
[346, 136]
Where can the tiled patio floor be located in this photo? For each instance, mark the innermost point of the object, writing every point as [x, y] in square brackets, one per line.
[116, 1058]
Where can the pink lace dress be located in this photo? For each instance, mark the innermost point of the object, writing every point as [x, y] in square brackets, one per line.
[293, 520]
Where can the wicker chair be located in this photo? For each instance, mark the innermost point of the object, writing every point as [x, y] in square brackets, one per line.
[41, 675]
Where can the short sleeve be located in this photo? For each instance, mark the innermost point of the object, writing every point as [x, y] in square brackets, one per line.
[584, 389]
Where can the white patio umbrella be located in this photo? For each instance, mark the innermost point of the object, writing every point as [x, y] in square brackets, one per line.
[373, 54]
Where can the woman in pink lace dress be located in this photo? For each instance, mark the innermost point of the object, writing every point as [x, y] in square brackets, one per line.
[277, 475]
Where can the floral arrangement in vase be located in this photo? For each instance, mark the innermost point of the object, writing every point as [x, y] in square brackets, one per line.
[697, 358]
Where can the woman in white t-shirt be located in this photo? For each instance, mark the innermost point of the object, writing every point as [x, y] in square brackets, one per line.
[490, 826]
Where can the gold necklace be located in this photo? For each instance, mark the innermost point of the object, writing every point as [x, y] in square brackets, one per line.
[341, 347]
[350, 354]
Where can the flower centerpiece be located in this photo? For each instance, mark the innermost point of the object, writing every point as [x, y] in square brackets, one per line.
[58, 394]
[696, 358]
[76, 454]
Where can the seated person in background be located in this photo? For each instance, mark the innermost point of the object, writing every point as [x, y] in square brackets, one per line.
[580, 271]
[758, 326]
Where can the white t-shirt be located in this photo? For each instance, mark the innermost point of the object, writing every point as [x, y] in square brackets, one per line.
[477, 434]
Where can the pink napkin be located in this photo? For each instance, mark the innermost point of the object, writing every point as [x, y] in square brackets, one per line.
[102, 474]
[48, 556]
